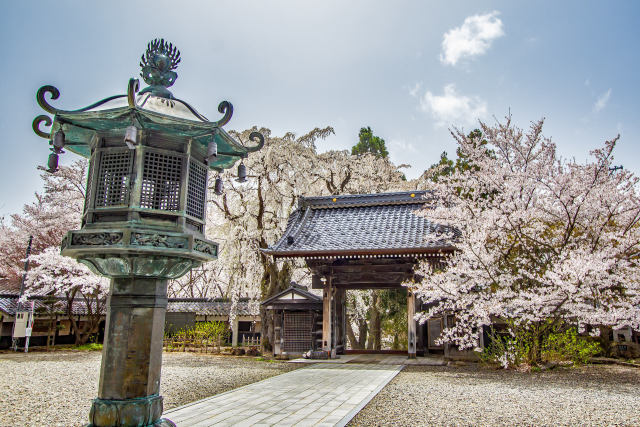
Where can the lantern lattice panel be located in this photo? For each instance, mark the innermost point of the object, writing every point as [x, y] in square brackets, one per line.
[197, 190]
[114, 179]
[161, 181]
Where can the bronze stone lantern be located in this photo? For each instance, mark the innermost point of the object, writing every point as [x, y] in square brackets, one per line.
[144, 217]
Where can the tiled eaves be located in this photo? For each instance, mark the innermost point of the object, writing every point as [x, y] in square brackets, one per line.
[378, 225]
[361, 200]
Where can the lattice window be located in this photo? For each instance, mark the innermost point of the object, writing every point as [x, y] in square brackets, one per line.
[297, 332]
[161, 181]
[114, 179]
[197, 189]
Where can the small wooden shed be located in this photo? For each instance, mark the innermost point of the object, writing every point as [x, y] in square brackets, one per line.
[297, 317]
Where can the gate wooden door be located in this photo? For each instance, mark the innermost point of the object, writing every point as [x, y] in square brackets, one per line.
[298, 332]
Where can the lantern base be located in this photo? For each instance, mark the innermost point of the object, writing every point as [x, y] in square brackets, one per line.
[144, 411]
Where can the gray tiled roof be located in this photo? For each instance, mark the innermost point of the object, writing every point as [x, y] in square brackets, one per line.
[200, 306]
[9, 303]
[300, 290]
[365, 224]
[208, 307]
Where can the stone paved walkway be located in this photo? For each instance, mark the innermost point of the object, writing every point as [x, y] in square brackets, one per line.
[319, 395]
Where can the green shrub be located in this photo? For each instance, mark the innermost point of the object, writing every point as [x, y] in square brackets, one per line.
[92, 346]
[508, 348]
[532, 344]
[568, 345]
[203, 335]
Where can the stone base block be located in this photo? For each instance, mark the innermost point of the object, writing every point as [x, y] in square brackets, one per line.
[139, 412]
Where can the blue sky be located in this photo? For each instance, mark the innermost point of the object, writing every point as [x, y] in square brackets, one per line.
[410, 70]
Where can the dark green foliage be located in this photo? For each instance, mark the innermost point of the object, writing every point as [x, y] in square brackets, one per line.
[530, 344]
[568, 345]
[446, 166]
[202, 336]
[369, 143]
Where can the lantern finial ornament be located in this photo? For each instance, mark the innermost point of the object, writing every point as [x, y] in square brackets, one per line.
[158, 63]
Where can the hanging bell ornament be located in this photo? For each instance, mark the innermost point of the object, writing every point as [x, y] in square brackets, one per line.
[242, 173]
[52, 164]
[217, 188]
[131, 137]
[212, 150]
[58, 141]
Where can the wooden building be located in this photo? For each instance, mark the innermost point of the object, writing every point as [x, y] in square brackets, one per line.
[297, 315]
[50, 315]
[50, 319]
[365, 241]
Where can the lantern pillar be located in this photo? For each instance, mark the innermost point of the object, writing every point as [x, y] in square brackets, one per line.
[128, 393]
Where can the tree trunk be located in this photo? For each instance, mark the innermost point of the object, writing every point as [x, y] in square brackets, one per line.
[273, 281]
[266, 318]
[374, 332]
[603, 339]
[363, 330]
[352, 337]
[92, 324]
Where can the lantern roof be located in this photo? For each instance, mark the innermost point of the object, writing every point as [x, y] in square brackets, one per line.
[153, 108]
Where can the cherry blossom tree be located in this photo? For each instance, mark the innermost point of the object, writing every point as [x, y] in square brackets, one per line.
[249, 216]
[54, 274]
[541, 241]
[55, 211]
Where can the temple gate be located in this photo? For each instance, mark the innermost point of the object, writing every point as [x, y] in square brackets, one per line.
[364, 241]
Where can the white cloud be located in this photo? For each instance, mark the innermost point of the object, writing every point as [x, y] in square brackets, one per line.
[602, 101]
[453, 109]
[472, 38]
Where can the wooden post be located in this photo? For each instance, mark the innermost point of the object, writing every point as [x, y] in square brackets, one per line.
[277, 333]
[326, 317]
[340, 318]
[411, 323]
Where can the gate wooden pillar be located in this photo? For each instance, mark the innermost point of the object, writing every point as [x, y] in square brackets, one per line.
[411, 323]
[327, 342]
[339, 328]
[277, 333]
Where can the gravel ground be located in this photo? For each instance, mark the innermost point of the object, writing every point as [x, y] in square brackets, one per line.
[56, 389]
[591, 395]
